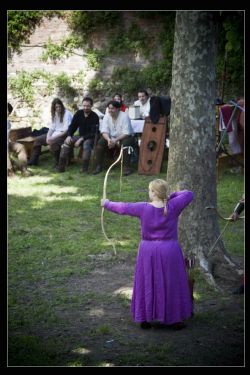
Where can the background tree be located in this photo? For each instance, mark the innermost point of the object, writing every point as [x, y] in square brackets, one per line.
[192, 157]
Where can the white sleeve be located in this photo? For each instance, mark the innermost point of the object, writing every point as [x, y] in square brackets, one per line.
[104, 127]
[126, 124]
[67, 120]
[147, 109]
[52, 126]
[99, 113]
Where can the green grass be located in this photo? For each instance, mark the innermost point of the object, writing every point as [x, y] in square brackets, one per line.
[229, 191]
[55, 241]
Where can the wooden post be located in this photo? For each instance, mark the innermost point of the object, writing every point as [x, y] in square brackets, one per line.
[152, 146]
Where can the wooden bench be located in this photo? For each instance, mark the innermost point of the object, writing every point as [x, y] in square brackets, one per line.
[25, 137]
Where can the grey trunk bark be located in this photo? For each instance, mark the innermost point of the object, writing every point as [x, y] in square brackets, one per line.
[192, 156]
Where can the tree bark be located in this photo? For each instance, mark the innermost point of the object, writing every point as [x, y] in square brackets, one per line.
[192, 156]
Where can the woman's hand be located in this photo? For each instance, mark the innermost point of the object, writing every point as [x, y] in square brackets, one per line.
[103, 201]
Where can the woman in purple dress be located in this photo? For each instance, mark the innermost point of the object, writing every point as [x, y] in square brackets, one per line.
[161, 290]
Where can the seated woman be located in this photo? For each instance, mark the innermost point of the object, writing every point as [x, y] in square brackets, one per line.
[58, 126]
[118, 98]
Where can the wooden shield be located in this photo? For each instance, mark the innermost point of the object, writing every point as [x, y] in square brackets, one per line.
[152, 146]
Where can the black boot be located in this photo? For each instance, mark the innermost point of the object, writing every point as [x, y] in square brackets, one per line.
[85, 166]
[61, 165]
[63, 158]
[127, 171]
[35, 155]
[56, 157]
[98, 169]
[146, 325]
[126, 158]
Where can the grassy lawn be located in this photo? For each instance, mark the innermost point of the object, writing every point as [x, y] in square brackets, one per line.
[55, 240]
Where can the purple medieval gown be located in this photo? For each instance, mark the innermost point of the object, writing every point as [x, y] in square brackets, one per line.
[161, 289]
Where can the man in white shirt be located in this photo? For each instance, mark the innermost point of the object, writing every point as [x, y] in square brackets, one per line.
[144, 103]
[116, 130]
[58, 127]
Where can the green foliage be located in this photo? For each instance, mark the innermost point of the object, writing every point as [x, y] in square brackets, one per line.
[24, 84]
[63, 81]
[230, 53]
[235, 48]
[134, 40]
[97, 87]
[53, 51]
[94, 58]
[166, 37]
[86, 22]
[57, 52]
[157, 76]
[126, 80]
[79, 78]
[21, 25]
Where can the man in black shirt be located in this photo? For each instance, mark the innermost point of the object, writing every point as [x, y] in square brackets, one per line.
[87, 122]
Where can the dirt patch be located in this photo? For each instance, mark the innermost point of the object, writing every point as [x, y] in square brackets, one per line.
[102, 333]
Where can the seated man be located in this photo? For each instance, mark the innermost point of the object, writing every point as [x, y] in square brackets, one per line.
[144, 103]
[58, 127]
[116, 130]
[87, 121]
[19, 151]
[154, 106]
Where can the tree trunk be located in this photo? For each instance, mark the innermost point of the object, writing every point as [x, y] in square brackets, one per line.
[192, 156]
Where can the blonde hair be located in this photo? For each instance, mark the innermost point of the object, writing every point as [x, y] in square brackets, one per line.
[159, 187]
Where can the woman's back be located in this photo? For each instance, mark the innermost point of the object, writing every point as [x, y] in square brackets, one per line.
[157, 226]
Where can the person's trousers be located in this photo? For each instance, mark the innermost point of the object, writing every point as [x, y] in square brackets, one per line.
[66, 151]
[37, 147]
[55, 144]
[102, 147]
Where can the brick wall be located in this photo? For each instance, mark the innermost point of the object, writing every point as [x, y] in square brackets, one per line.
[29, 60]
